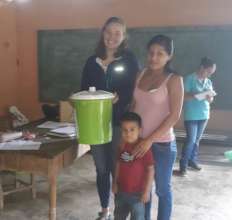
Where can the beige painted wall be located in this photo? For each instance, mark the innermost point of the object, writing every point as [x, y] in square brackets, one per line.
[8, 59]
[60, 14]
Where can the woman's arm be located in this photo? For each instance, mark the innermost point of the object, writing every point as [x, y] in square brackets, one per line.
[132, 105]
[115, 179]
[189, 96]
[176, 95]
[133, 102]
[209, 98]
[148, 183]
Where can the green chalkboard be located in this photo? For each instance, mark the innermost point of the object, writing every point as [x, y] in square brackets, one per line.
[62, 54]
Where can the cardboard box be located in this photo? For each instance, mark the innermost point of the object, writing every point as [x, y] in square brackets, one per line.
[66, 112]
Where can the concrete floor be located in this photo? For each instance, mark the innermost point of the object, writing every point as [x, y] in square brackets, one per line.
[204, 195]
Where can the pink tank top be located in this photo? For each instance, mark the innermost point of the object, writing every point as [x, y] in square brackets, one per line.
[153, 107]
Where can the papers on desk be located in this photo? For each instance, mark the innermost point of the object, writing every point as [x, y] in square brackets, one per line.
[54, 125]
[8, 136]
[20, 145]
[203, 95]
[59, 129]
[68, 131]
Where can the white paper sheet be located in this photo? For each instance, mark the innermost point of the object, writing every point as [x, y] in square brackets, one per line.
[54, 125]
[8, 136]
[68, 131]
[203, 95]
[65, 130]
[20, 145]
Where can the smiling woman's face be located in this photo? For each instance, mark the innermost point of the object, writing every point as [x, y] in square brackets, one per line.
[113, 36]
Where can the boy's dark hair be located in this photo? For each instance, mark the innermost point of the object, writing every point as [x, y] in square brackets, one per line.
[131, 116]
[207, 62]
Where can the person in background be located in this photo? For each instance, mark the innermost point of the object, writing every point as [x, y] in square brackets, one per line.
[158, 99]
[133, 176]
[196, 112]
[112, 68]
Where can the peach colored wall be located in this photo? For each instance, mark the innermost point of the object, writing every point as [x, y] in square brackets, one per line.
[8, 64]
[65, 14]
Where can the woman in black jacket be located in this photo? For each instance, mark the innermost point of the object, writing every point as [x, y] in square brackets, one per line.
[112, 68]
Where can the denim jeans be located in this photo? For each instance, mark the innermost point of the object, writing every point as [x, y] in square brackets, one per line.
[194, 130]
[104, 157]
[128, 203]
[165, 156]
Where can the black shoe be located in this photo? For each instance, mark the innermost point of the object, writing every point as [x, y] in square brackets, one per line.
[194, 166]
[181, 173]
[104, 216]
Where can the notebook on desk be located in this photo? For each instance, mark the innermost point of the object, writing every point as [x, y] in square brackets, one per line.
[20, 145]
[8, 136]
[68, 131]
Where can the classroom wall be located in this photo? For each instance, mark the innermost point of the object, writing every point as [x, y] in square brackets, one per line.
[8, 59]
[60, 14]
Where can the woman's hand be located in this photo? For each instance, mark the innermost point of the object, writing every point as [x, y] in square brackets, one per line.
[209, 98]
[142, 147]
[115, 188]
[145, 197]
[116, 98]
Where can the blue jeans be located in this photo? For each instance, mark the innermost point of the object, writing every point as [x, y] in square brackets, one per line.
[104, 157]
[194, 130]
[165, 156]
[126, 203]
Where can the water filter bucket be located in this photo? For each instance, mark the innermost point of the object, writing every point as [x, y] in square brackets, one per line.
[94, 116]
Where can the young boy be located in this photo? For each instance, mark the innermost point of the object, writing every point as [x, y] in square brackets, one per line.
[133, 176]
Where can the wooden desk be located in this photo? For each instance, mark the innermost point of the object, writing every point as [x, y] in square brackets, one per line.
[53, 156]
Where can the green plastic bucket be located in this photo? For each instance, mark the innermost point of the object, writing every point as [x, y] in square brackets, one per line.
[94, 116]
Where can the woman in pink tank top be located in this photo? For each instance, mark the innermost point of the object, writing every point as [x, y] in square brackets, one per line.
[158, 99]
